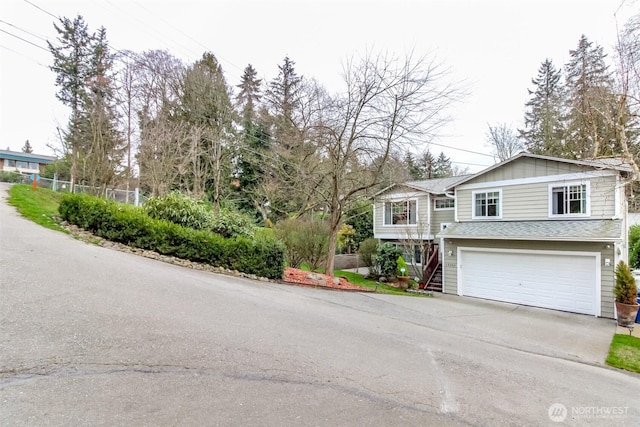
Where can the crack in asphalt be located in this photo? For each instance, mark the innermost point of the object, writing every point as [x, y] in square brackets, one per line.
[372, 396]
[567, 358]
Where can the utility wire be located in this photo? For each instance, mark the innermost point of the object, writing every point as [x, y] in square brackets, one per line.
[462, 149]
[186, 35]
[45, 11]
[23, 30]
[25, 56]
[124, 53]
[25, 40]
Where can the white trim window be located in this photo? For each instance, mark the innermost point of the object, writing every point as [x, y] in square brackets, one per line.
[401, 212]
[569, 199]
[411, 253]
[487, 204]
[444, 204]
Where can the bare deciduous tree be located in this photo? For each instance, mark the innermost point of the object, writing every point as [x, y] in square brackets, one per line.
[388, 104]
[162, 141]
[504, 141]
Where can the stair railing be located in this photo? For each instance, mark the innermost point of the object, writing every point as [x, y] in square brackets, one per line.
[432, 261]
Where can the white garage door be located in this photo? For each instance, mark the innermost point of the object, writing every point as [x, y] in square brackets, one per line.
[566, 282]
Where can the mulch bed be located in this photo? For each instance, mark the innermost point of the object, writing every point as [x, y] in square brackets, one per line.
[307, 278]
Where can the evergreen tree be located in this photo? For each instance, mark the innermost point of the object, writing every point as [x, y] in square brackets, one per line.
[442, 167]
[72, 65]
[26, 148]
[589, 95]
[284, 102]
[427, 165]
[415, 172]
[255, 140]
[102, 146]
[543, 120]
[360, 216]
[289, 147]
[248, 98]
[284, 90]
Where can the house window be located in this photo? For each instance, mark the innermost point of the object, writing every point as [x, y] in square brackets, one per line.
[569, 199]
[486, 204]
[400, 213]
[11, 163]
[444, 204]
[412, 254]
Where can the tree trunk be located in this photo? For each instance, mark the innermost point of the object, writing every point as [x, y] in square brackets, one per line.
[334, 228]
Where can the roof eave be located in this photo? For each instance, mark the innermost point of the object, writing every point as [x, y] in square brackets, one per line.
[554, 239]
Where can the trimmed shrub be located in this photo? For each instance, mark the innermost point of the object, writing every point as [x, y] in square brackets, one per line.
[132, 226]
[14, 177]
[401, 269]
[306, 241]
[186, 211]
[231, 223]
[367, 251]
[625, 290]
[387, 259]
[179, 209]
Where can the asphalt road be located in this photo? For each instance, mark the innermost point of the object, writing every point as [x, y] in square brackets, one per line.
[92, 336]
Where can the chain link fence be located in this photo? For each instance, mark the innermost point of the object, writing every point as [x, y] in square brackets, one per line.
[132, 197]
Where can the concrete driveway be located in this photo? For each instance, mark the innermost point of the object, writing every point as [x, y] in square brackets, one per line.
[553, 333]
[92, 336]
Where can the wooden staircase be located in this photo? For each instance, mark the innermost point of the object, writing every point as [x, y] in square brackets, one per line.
[432, 269]
[435, 281]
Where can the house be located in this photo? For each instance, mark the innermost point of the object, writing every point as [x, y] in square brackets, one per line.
[26, 163]
[539, 231]
[532, 230]
[409, 215]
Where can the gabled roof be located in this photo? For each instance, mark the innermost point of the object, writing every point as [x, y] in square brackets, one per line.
[26, 157]
[605, 230]
[433, 186]
[614, 163]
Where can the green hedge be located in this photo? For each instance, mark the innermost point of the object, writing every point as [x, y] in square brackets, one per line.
[132, 226]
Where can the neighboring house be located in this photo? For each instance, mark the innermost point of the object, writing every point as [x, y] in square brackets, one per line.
[539, 231]
[409, 215]
[26, 163]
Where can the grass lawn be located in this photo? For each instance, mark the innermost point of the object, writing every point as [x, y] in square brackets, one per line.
[624, 353]
[358, 279]
[38, 205]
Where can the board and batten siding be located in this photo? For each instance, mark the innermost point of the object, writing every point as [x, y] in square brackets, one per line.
[528, 167]
[382, 231]
[607, 275]
[526, 202]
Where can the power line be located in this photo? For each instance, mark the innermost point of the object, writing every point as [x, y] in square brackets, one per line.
[134, 57]
[462, 149]
[38, 7]
[186, 35]
[23, 55]
[23, 30]
[25, 40]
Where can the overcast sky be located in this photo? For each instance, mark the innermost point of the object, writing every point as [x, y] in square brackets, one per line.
[494, 47]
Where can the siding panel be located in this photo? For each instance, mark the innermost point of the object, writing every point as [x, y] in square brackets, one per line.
[527, 202]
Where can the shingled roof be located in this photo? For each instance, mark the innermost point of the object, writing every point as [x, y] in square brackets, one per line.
[561, 230]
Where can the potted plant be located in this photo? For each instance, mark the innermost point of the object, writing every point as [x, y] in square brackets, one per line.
[402, 274]
[626, 292]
